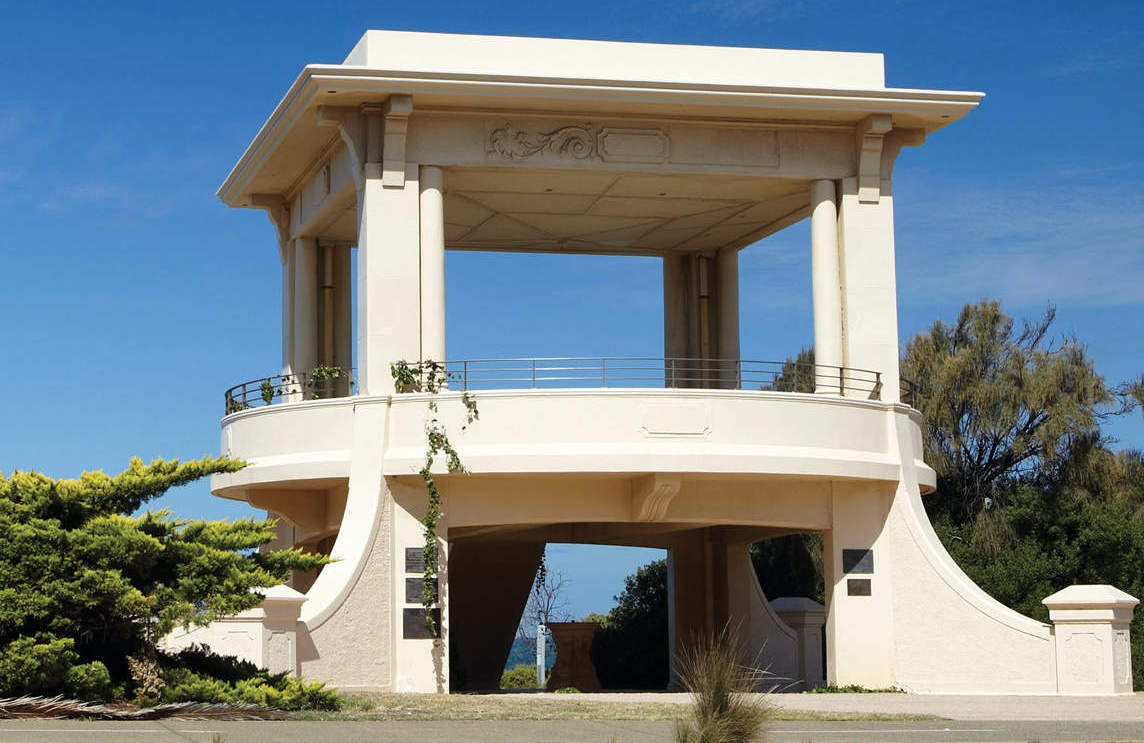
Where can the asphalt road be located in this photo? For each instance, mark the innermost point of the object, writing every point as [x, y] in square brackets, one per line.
[563, 731]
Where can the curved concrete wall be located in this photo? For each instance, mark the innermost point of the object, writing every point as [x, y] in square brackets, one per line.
[848, 468]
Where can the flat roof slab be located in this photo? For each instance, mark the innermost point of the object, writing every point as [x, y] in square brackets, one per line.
[576, 59]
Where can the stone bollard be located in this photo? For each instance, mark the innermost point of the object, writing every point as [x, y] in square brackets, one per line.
[574, 665]
[280, 611]
[266, 636]
[1090, 633]
[807, 618]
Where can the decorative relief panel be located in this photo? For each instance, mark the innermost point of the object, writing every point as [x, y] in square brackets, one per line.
[576, 142]
[1084, 657]
[280, 652]
[580, 142]
[1121, 658]
[685, 144]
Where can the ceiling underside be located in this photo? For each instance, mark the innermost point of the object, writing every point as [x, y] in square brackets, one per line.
[593, 212]
[577, 211]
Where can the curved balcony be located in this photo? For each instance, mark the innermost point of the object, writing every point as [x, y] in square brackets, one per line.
[580, 415]
[576, 372]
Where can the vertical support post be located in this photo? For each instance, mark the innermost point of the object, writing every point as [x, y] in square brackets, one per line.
[826, 283]
[541, 662]
[305, 307]
[869, 291]
[432, 263]
[389, 263]
[326, 329]
[343, 316]
[288, 309]
[675, 325]
[727, 290]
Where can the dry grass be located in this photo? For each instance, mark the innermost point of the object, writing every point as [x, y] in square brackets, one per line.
[724, 707]
[387, 707]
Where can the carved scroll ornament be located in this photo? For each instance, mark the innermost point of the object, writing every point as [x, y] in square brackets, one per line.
[576, 142]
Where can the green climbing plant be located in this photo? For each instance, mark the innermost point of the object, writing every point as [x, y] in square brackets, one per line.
[432, 377]
[319, 380]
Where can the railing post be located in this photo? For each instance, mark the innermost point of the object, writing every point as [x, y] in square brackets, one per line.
[603, 372]
[465, 367]
[878, 385]
[842, 381]
[533, 373]
[739, 374]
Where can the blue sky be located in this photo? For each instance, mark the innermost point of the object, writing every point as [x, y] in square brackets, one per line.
[132, 297]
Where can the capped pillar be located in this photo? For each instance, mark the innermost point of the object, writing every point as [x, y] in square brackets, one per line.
[1091, 639]
[807, 618]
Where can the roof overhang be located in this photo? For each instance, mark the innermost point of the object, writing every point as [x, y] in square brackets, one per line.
[291, 138]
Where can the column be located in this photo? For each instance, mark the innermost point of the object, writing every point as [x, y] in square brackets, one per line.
[288, 310]
[305, 307]
[827, 288]
[343, 314]
[675, 319]
[869, 291]
[389, 267]
[432, 264]
[727, 292]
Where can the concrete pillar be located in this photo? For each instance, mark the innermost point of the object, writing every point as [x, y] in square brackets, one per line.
[691, 591]
[288, 311]
[826, 284]
[343, 313]
[675, 333]
[869, 291]
[305, 307]
[389, 278]
[856, 567]
[727, 321]
[489, 586]
[432, 264]
[807, 618]
[1091, 640]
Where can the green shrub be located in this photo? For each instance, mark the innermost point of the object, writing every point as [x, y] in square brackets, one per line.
[522, 676]
[289, 693]
[567, 690]
[198, 675]
[89, 681]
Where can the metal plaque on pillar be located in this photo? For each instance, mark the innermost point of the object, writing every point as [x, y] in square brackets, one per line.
[858, 561]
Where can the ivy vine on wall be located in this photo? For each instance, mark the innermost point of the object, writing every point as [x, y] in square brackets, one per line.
[432, 377]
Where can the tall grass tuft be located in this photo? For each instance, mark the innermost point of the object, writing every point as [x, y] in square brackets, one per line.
[725, 707]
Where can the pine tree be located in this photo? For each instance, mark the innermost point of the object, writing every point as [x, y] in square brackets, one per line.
[84, 585]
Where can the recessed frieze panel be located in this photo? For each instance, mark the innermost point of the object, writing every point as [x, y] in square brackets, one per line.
[746, 147]
[632, 145]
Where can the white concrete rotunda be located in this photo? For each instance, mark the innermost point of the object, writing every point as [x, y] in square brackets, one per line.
[419, 143]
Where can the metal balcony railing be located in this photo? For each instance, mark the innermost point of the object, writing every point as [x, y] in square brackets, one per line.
[318, 384]
[581, 372]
